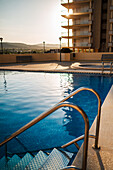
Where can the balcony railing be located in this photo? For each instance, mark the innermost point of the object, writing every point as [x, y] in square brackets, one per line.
[65, 34]
[72, 15]
[80, 23]
[83, 10]
[111, 7]
[83, 44]
[85, 33]
[111, 32]
[70, 1]
[111, 20]
[89, 44]
[65, 12]
[66, 1]
[80, 35]
[110, 44]
[79, 0]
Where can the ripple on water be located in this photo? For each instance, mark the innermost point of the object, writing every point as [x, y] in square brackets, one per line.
[24, 96]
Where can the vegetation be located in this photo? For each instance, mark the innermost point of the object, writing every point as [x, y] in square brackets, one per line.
[66, 50]
[21, 48]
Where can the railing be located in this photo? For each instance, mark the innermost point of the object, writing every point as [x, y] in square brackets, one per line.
[76, 140]
[57, 106]
[111, 7]
[76, 23]
[45, 114]
[82, 44]
[109, 68]
[70, 1]
[99, 110]
[66, 1]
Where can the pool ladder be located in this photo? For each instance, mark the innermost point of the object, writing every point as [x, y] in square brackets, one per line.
[86, 121]
[110, 68]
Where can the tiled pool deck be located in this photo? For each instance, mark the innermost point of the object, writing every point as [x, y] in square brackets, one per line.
[101, 159]
[97, 159]
[56, 67]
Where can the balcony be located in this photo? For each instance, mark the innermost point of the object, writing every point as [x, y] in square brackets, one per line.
[83, 45]
[76, 26]
[66, 1]
[89, 44]
[75, 15]
[111, 20]
[111, 8]
[72, 3]
[110, 44]
[111, 32]
[79, 36]
[79, 11]
[86, 33]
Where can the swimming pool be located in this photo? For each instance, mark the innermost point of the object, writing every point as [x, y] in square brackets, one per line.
[25, 95]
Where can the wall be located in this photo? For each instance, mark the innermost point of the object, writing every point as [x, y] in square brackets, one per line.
[7, 58]
[97, 24]
[89, 56]
[45, 57]
[65, 57]
[11, 58]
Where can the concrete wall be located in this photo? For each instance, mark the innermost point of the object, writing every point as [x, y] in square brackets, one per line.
[89, 56]
[97, 24]
[45, 57]
[65, 57]
[11, 58]
[7, 58]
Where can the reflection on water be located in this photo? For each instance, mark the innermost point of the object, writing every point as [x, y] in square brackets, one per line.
[5, 82]
[66, 83]
[72, 121]
[67, 119]
[30, 94]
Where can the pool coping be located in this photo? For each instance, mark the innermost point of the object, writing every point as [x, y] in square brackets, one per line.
[100, 158]
[55, 67]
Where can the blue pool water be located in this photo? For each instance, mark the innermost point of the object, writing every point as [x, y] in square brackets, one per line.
[25, 95]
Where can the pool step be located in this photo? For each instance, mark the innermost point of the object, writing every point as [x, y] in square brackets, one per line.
[37, 161]
[12, 162]
[23, 162]
[2, 162]
[57, 159]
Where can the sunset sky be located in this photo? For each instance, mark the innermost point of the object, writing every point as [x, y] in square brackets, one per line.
[30, 21]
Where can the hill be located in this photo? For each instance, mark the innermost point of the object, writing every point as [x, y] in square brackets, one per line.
[8, 45]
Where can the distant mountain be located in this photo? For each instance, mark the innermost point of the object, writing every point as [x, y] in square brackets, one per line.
[8, 45]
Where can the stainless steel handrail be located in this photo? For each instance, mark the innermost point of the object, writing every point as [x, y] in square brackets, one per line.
[76, 140]
[99, 110]
[58, 105]
[34, 121]
[45, 114]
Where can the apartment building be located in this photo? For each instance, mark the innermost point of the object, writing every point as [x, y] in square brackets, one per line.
[88, 25]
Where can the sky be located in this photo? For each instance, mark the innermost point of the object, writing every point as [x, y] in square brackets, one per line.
[30, 21]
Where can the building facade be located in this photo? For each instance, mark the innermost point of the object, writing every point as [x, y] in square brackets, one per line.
[88, 25]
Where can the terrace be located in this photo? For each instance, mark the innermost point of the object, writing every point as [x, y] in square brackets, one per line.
[97, 158]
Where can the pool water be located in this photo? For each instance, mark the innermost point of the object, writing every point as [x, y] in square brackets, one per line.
[25, 95]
